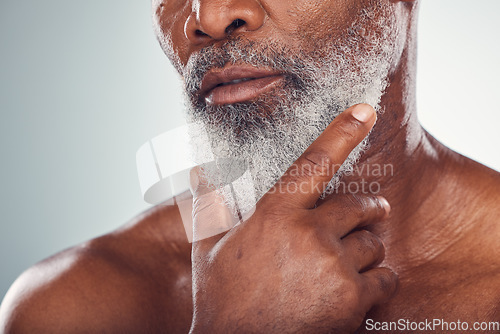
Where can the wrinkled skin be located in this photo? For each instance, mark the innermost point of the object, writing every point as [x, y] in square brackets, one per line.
[441, 237]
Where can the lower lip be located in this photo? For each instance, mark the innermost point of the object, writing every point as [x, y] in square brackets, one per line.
[242, 91]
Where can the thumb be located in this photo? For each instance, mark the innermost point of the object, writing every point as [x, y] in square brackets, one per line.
[211, 214]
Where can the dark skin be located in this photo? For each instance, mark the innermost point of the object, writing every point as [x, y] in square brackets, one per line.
[441, 236]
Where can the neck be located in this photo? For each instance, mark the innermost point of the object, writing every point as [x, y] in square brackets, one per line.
[408, 167]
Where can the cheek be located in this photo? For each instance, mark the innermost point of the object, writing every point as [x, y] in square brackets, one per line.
[169, 18]
[307, 20]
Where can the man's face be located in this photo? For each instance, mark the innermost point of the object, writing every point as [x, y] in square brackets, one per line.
[265, 78]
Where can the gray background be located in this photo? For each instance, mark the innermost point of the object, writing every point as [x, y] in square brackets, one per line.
[84, 84]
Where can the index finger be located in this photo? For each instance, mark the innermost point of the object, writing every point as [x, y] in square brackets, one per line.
[305, 181]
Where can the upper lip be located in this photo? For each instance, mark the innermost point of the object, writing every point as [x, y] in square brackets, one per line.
[227, 75]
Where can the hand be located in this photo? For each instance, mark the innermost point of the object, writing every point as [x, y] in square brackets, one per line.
[294, 267]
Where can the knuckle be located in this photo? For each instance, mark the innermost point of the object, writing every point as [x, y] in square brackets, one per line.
[387, 280]
[359, 203]
[315, 164]
[377, 204]
[351, 293]
[370, 240]
[372, 245]
[364, 204]
[336, 208]
[383, 285]
[346, 130]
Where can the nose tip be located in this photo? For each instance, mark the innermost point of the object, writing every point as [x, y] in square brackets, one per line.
[210, 20]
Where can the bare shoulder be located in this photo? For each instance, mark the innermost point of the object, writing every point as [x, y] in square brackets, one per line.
[135, 279]
[478, 195]
[481, 186]
[469, 187]
[470, 200]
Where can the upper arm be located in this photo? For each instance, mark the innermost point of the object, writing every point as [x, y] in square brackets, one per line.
[33, 304]
[72, 295]
[130, 282]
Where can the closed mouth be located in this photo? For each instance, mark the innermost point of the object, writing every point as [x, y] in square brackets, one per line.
[237, 84]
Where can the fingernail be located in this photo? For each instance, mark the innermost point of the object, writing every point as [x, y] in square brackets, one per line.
[385, 204]
[362, 113]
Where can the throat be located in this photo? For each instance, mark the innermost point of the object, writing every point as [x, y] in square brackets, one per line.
[422, 188]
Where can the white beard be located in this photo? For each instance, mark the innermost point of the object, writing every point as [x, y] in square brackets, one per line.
[266, 136]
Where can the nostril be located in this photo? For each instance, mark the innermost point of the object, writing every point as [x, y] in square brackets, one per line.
[200, 33]
[235, 25]
[238, 23]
